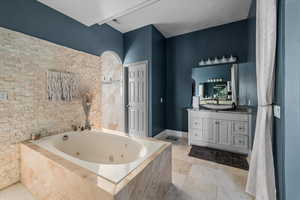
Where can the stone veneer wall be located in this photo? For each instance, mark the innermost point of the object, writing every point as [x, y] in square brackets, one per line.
[24, 61]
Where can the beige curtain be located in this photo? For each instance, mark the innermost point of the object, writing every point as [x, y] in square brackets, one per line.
[261, 179]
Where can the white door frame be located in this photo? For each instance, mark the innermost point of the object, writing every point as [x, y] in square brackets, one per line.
[125, 96]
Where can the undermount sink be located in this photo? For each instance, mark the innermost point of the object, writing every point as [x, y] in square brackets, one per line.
[217, 106]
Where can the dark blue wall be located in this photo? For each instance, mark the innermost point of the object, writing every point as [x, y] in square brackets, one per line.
[278, 145]
[185, 51]
[147, 43]
[287, 95]
[202, 74]
[247, 70]
[35, 19]
[138, 45]
[292, 99]
[158, 81]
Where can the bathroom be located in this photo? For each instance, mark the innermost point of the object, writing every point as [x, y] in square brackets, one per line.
[104, 100]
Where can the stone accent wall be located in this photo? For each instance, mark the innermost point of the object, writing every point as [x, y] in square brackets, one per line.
[24, 61]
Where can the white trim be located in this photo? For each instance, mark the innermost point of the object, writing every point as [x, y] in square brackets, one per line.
[117, 56]
[161, 134]
[177, 133]
[125, 93]
[136, 63]
[168, 132]
[127, 11]
[125, 89]
[249, 157]
[110, 131]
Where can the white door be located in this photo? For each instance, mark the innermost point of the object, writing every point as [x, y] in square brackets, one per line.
[137, 99]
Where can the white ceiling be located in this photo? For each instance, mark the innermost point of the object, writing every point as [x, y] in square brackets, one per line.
[171, 17]
[90, 12]
[175, 17]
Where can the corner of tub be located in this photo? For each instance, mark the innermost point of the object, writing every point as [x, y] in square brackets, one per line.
[27, 145]
[161, 162]
[160, 141]
[24, 144]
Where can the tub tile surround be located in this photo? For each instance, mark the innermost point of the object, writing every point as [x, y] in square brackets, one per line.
[10, 165]
[210, 181]
[9, 161]
[24, 61]
[41, 169]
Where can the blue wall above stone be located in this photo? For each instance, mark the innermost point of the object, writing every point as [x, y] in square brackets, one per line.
[158, 80]
[137, 48]
[291, 49]
[36, 19]
[278, 145]
[202, 74]
[138, 45]
[185, 51]
[147, 43]
[170, 60]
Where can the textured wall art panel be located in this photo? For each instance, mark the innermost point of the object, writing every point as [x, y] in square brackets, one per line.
[24, 63]
[62, 86]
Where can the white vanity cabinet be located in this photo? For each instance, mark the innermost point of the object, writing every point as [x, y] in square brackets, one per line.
[229, 131]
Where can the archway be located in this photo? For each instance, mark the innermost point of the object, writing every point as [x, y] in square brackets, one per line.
[111, 94]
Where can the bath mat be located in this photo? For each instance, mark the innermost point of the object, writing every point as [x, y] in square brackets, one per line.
[219, 156]
[172, 138]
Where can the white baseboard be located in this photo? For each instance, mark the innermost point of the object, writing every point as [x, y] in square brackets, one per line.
[249, 157]
[169, 132]
[110, 131]
[161, 134]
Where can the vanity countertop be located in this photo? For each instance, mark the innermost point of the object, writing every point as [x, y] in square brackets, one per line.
[237, 111]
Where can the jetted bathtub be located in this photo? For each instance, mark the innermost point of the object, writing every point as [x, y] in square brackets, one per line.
[94, 165]
[111, 156]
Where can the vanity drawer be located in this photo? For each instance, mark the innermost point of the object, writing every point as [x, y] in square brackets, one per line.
[240, 141]
[240, 128]
[196, 135]
[196, 123]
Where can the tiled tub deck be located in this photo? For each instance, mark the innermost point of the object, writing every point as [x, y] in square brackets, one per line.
[51, 177]
[193, 179]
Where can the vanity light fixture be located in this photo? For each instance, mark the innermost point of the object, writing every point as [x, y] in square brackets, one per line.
[217, 61]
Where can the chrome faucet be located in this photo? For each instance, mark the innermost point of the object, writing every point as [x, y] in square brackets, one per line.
[216, 100]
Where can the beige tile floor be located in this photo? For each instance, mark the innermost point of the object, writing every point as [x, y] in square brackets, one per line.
[16, 192]
[193, 179]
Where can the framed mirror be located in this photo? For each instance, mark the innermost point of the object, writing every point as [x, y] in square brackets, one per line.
[215, 85]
